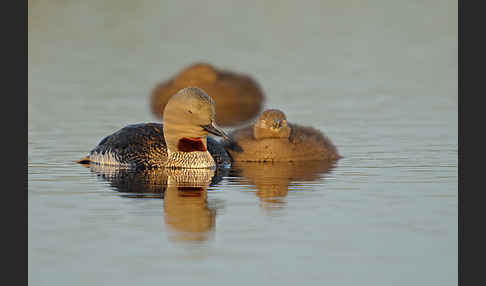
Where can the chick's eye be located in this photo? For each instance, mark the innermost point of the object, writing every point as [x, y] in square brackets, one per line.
[189, 111]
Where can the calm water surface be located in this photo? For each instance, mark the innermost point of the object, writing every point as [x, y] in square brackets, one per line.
[379, 78]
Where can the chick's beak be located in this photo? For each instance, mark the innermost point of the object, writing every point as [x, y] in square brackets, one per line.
[215, 130]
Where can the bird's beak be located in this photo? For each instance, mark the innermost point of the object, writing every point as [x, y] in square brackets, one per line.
[215, 130]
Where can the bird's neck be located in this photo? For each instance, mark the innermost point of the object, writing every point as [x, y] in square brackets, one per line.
[188, 152]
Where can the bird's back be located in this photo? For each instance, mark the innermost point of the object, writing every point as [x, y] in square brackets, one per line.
[142, 146]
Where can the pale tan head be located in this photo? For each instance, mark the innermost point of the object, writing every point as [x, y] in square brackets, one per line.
[272, 123]
[188, 118]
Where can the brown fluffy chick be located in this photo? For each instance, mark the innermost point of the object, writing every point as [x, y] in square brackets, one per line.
[273, 139]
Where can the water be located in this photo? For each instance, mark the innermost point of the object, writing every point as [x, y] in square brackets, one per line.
[379, 78]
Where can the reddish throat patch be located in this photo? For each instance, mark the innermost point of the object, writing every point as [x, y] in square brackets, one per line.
[189, 144]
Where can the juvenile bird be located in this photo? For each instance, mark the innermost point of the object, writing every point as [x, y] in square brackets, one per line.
[272, 138]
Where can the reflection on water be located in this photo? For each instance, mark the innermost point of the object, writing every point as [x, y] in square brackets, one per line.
[272, 180]
[185, 205]
[133, 184]
[184, 192]
[142, 183]
[186, 209]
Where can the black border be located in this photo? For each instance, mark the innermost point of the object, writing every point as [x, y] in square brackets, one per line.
[471, 79]
[15, 139]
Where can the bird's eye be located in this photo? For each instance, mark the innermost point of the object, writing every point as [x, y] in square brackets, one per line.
[189, 111]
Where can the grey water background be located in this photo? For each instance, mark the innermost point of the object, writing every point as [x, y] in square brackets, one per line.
[378, 77]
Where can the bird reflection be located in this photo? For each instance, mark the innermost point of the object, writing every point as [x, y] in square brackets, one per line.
[184, 191]
[272, 180]
[185, 204]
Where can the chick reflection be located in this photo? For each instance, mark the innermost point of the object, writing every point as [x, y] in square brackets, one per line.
[272, 179]
[184, 192]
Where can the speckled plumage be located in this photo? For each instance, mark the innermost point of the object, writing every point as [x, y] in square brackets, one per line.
[142, 146]
[290, 142]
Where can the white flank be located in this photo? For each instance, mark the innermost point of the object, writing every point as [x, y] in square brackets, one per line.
[108, 158]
